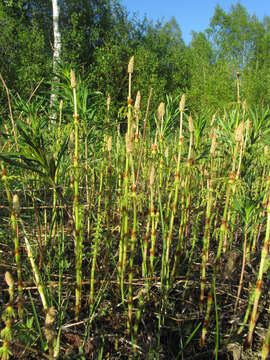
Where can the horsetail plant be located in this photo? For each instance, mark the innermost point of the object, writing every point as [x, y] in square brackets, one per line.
[136, 114]
[166, 267]
[212, 291]
[96, 239]
[230, 189]
[182, 227]
[86, 154]
[129, 115]
[259, 190]
[207, 225]
[266, 344]
[232, 216]
[108, 194]
[123, 244]
[259, 284]
[50, 332]
[131, 260]
[246, 208]
[160, 115]
[153, 223]
[37, 276]
[157, 205]
[185, 201]
[248, 310]
[145, 245]
[8, 317]
[144, 134]
[206, 241]
[129, 148]
[15, 213]
[14, 206]
[78, 243]
[207, 316]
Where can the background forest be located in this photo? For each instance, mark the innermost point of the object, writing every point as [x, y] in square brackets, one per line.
[99, 36]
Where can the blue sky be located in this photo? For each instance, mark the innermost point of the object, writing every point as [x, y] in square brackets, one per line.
[191, 14]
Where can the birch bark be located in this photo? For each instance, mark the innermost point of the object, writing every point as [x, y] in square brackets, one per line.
[56, 50]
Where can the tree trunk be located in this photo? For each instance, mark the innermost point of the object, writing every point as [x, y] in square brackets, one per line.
[56, 51]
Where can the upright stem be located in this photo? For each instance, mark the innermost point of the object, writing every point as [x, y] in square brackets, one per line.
[259, 284]
[166, 268]
[78, 235]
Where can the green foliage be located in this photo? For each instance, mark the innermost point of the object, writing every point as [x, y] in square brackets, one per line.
[235, 34]
[188, 192]
[99, 37]
[90, 104]
[25, 48]
[33, 154]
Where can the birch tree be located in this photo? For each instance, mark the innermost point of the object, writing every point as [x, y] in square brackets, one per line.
[56, 49]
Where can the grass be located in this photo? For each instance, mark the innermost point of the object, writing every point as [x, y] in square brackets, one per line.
[153, 244]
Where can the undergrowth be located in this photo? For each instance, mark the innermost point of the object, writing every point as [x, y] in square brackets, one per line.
[150, 241]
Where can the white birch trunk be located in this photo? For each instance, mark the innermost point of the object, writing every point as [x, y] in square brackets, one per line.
[56, 49]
